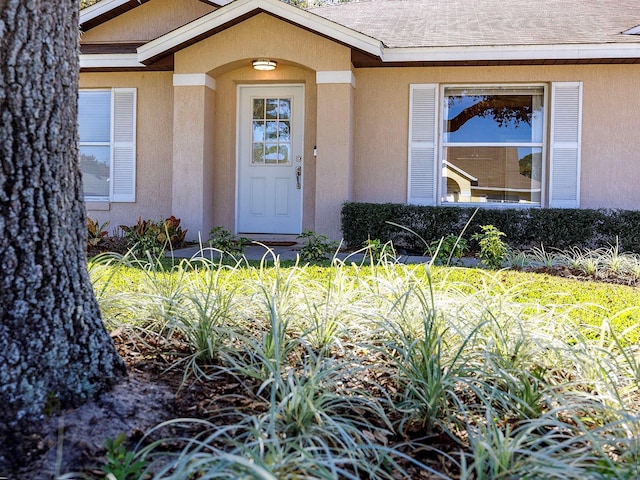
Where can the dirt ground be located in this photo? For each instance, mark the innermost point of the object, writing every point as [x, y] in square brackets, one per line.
[73, 441]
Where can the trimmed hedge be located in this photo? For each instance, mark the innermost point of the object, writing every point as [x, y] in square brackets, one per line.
[524, 228]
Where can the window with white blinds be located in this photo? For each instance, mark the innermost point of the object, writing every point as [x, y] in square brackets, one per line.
[106, 125]
[487, 144]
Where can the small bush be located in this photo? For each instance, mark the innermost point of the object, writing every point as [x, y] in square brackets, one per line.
[316, 248]
[96, 233]
[378, 251]
[493, 250]
[449, 250]
[154, 236]
[222, 239]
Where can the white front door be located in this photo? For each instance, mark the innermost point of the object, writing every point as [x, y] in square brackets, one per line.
[270, 144]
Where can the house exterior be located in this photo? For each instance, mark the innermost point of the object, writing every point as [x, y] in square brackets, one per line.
[520, 104]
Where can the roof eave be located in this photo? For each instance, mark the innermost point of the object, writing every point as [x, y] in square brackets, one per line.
[511, 52]
[114, 60]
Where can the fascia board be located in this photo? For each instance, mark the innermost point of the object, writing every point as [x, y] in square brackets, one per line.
[100, 8]
[110, 60]
[511, 52]
[242, 7]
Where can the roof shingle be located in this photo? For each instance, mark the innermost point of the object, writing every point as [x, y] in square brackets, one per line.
[458, 23]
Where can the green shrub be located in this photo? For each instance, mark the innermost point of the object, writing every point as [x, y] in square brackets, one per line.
[524, 227]
[316, 248]
[154, 236]
[449, 250]
[96, 233]
[222, 239]
[492, 248]
[377, 251]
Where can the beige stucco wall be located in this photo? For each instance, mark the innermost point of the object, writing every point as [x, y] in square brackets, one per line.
[193, 166]
[610, 143]
[148, 21]
[335, 126]
[227, 57]
[262, 36]
[154, 124]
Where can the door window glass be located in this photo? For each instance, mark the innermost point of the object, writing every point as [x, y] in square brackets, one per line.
[271, 126]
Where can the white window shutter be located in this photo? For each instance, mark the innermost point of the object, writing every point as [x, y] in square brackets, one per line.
[423, 142]
[566, 140]
[123, 175]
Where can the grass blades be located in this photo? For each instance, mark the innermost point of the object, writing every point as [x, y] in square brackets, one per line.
[380, 370]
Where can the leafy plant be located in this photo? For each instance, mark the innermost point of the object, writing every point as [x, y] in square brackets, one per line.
[378, 251]
[154, 236]
[121, 464]
[96, 232]
[449, 250]
[539, 256]
[222, 239]
[172, 232]
[316, 248]
[493, 249]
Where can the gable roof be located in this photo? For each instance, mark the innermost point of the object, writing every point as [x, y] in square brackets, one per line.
[105, 10]
[240, 10]
[428, 32]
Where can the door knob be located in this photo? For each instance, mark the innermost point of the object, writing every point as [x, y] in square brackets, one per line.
[298, 177]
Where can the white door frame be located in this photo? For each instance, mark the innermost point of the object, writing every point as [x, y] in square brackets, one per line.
[299, 128]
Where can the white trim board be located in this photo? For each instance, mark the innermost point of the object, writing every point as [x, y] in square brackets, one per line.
[511, 52]
[110, 60]
[336, 76]
[194, 80]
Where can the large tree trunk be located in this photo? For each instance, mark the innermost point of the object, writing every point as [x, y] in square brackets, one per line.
[54, 349]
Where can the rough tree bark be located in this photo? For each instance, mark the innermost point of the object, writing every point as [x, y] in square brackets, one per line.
[54, 349]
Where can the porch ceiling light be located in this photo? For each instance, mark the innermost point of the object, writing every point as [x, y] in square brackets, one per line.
[264, 64]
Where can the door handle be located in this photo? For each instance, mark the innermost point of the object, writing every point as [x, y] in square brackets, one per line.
[298, 177]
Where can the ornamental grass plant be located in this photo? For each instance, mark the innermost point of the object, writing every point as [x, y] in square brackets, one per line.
[381, 370]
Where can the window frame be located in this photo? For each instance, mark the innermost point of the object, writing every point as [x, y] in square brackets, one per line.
[122, 144]
[442, 145]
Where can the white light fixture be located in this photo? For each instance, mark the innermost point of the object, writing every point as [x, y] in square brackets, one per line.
[264, 64]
